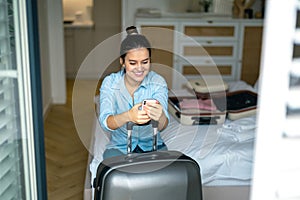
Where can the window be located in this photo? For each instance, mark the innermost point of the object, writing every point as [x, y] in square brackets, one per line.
[17, 159]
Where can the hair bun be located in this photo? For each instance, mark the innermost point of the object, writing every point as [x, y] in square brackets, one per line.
[131, 30]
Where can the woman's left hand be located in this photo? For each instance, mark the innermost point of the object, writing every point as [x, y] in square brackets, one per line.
[154, 110]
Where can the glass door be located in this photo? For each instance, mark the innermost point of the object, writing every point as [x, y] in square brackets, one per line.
[22, 171]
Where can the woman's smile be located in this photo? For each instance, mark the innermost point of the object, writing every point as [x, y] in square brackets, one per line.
[140, 73]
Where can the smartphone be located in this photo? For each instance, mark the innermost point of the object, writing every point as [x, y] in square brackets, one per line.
[150, 101]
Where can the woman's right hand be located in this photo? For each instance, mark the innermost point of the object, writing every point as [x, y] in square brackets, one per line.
[138, 116]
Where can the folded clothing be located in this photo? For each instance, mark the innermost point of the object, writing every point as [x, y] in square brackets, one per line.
[242, 124]
[201, 104]
[236, 136]
[239, 130]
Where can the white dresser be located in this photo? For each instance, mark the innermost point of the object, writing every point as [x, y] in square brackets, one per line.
[209, 46]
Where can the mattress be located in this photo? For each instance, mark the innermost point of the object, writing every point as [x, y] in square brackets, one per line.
[223, 151]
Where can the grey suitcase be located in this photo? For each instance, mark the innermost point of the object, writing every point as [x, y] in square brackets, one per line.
[159, 175]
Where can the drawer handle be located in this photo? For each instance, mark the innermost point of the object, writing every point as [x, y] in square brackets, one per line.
[209, 42]
[210, 21]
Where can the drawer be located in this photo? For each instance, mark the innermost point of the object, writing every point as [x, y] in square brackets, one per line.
[223, 69]
[208, 66]
[189, 70]
[209, 49]
[211, 30]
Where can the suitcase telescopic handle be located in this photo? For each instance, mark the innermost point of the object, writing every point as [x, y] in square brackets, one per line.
[129, 127]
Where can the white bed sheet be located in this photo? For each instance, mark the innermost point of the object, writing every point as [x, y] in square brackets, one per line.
[224, 152]
[224, 155]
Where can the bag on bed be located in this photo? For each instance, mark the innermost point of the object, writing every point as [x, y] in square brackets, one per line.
[160, 175]
[189, 110]
[238, 104]
[208, 87]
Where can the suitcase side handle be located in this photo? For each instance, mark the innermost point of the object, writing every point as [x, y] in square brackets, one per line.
[129, 127]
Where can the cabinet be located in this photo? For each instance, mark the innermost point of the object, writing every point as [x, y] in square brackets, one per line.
[250, 59]
[208, 48]
[69, 53]
[227, 47]
[78, 44]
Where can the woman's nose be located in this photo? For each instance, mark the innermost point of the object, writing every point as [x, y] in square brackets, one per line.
[140, 66]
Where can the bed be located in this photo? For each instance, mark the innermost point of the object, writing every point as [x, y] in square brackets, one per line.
[224, 152]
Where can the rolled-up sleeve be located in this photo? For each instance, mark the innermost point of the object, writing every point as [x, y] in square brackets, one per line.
[107, 102]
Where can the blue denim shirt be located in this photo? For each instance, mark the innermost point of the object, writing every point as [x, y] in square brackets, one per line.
[115, 99]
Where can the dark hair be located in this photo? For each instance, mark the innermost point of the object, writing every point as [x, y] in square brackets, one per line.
[133, 40]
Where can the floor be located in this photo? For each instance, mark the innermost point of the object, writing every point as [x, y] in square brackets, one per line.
[66, 152]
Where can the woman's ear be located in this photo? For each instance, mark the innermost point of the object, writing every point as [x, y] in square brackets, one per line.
[122, 62]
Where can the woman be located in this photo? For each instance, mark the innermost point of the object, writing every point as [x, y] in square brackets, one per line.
[122, 93]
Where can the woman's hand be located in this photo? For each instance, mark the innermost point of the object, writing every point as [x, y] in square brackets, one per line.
[154, 110]
[138, 116]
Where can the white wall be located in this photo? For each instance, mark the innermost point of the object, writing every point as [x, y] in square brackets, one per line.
[56, 51]
[52, 53]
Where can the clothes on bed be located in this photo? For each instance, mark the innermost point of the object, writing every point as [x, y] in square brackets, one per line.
[240, 130]
[201, 104]
[241, 125]
[239, 137]
[115, 99]
[240, 85]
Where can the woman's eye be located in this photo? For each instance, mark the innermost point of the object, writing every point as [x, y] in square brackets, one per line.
[142, 63]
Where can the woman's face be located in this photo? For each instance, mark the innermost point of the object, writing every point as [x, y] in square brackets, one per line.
[137, 65]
